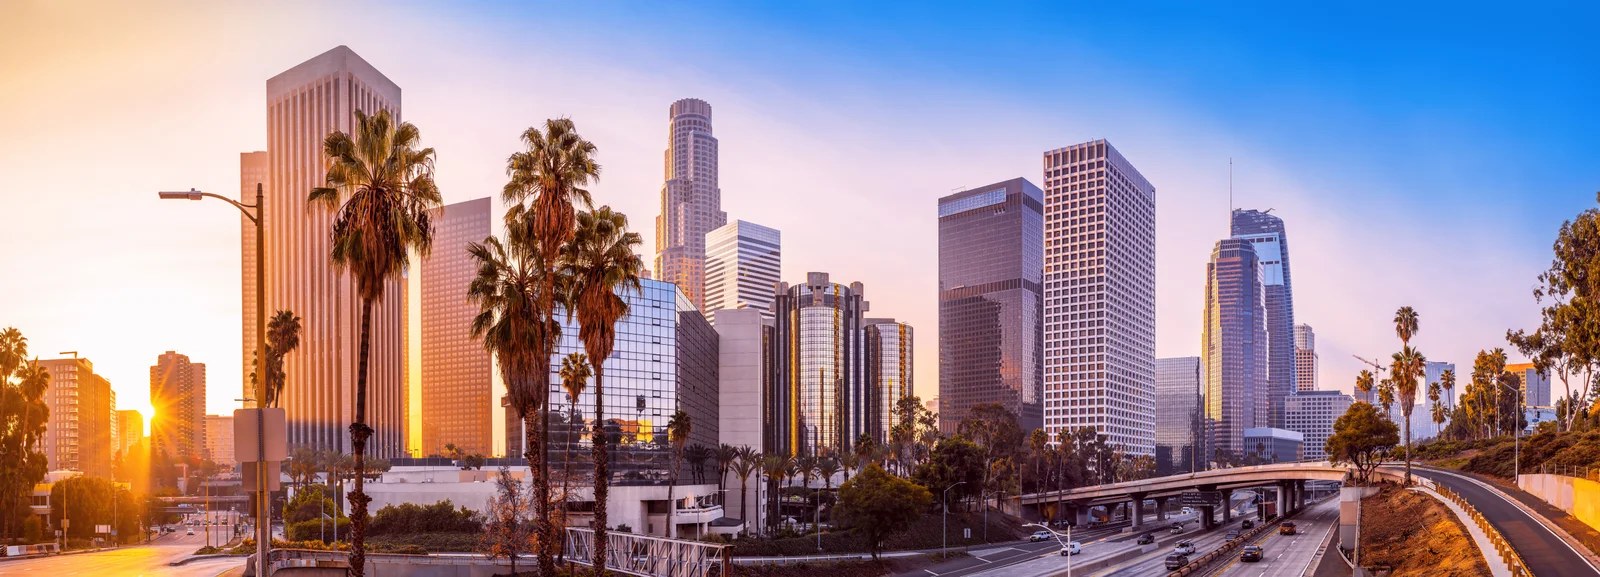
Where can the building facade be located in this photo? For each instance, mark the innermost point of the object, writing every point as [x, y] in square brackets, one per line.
[253, 170]
[691, 202]
[1535, 384]
[1305, 358]
[457, 373]
[889, 363]
[742, 403]
[743, 263]
[1266, 233]
[1433, 372]
[1312, 414]
[219, 440]
[1273, 445]
[78, 435]
[819, 395]
[130, 428]
[1233, 348]
[178, 393]
[991, 246]
[1179, 442]
[304, 105]
[1100, 295]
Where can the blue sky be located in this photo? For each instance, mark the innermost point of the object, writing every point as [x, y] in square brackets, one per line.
[1421, 155]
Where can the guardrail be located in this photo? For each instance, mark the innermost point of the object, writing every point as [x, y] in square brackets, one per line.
[1204, 562]
[1501, 546]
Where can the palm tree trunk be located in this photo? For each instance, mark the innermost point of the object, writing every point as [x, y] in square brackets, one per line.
[1408, 449]
[672, 506]
[744, 489]
[359, 432]
[566, 473]
[602, 479]
[531, 438]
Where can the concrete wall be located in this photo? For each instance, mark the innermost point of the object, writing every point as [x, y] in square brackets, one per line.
[739, 396]
[1578, 497]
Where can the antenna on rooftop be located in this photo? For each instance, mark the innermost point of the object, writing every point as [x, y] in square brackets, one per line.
[1230, 196]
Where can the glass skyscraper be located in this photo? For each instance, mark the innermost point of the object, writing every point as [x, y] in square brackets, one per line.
[457, 372]
[991, 245]
[1233, 348]
[819, 395]
[1265, 231]
[1178, 437]
[888, 373]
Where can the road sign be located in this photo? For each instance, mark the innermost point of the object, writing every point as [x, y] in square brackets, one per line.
[1200, 499]
[244, 434]
[248, 476]
[966, 533]
[102, 529]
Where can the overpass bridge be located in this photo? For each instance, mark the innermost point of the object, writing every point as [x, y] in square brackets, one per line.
[1289, 480]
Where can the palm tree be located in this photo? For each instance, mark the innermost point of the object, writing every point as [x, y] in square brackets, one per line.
[548, 176]
[1039, 442]
[745, 462]
[806, 465]
[826, 469]
[1447, 379]
[575, 373]
[1408, 364]
[601, 262]
[380, 188]
[283, 337]
[1364, 382]
[1386, 396]
[1437, 409]
[697, 455]
[849, 462]
[678, 429]
[774, 467]
[725, 454]
[1405, 324]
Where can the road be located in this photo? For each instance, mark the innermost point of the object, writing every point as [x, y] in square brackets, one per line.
[988, 558]
[1543, 551]
[1048, 561]
[137, 561]
[1289, 555]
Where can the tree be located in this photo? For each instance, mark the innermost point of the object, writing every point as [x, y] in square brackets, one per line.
[575, 373]
[678, 429]
[1361, 437]
[23, 418]
[381, 191]
[826, 469]
[1039, 445]
[601, 262]
[725, 454]
[849, 462]
[773, 468]
[87, 501]
[697, 455]
[954, 460]
[1447, 382]
[746, 461]
[1436, 409]
[283, 336]
[1364, 382]
[1407, 367]
[879, 505]
[511, 528]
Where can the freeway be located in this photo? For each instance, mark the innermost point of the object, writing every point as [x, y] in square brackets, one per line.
[997, 555]
[137, 561]
[1289, 555]
[1101, 546]
[1543, 551]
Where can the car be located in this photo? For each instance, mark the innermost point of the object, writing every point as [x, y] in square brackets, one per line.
[1232, 535]
[1188, 510]
[1176, 528]
[1250, 553]
[1287, 528]
[191, 530]
[1247, 524]
[1145, 539]
[1038, 536]
[1183, 548]
[1176, 561]
[1072, 548]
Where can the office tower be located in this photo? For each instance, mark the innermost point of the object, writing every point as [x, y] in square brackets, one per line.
[178, 393]
[130, 425]
[743, 378]
[743, 262]
[457, 375]
[304, 105]
[1266, 233]
[1535, 384]
[219, 440]
[818, 394]
[991, 249]
[1234, 348]
[1305, 358]
[78, 435]
[691, 203]
[889, 361]
[1100, 295]
[1432, 372]
[665, 361]
[1178, 437]
[1312, 414]
[253, 169]
[1273, 445]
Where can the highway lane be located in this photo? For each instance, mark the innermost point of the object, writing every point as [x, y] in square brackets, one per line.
[1153, 564]
[1288, 555]
[997, 555]
[1100, 547]
[135, 561]
[1543, 551]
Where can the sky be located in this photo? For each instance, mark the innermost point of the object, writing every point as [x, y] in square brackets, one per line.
[1420, 155]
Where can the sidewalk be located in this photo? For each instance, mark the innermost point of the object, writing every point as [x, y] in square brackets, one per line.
[1497, 566]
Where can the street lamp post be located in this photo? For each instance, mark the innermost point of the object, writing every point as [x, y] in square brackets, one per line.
[1053, 533]
[263, 515]
[944, 526]
[1516, 432]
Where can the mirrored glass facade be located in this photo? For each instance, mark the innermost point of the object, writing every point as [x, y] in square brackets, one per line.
[819, 397]
[1233, 348]
[1266, 233]
[888, 373]
[1178, 438]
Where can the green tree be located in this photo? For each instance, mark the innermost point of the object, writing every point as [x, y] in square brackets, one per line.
[88, 501]
[601, 262]
[1361, 437]
[1437, 411]
[575, 373]
[23, 418]
[879, 505]
[1039, 449]
[381, 191]
[1364, 382]
[1408, 366]
[725, 454]
[678, 429]
[511, 529]
[954, 460]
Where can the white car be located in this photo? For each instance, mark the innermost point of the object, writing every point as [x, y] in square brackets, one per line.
[1072, 548]
[1038, 536]
[191, 530]
[1183, 548]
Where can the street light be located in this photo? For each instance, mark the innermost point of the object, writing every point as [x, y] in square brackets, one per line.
[263, 538]
[944, 526]
[1053, 533]
[1516, 431]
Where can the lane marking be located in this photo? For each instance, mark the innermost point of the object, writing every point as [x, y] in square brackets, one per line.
[1520, 509]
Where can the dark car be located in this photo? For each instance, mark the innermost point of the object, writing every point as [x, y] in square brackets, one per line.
[1250, 553]
[1247, 524]
[1232, 535]
[1176, 561]
[1287, 528]
[1145, 539]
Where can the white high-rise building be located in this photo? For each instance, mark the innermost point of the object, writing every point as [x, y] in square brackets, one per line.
[743, 262]
[1312, 414]
[1305, 358]
[304, 105]
[1434, 371]
[691, 202]
[1100, 295]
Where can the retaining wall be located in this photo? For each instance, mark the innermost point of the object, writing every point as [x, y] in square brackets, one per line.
[1578, 497]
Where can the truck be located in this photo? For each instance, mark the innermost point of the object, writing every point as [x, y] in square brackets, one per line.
[1269, 510]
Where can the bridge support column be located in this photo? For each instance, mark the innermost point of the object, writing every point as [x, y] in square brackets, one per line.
[1300, 494]
[1283, 503]
[1227, 505]
[1207, 517]
[1136, 510]
[1080, 514]
[1161, 508]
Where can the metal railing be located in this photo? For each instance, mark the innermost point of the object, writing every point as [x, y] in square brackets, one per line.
[1589, 473]
[1507, 553]
[647, 556]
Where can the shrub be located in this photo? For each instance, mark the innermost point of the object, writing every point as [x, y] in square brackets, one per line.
[318, 530]
[207, 550]
[32, 530]
[428, 542]
[409, 518]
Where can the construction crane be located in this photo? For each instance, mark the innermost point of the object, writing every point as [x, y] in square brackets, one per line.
[1378, 373]
[1375, 365]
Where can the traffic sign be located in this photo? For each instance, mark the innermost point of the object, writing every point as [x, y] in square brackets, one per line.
[245, 434]
[1200, 499]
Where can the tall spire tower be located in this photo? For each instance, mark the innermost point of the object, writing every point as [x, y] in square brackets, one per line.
[691, 202]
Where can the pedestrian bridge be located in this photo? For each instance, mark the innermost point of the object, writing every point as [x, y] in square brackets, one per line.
[1288, 478]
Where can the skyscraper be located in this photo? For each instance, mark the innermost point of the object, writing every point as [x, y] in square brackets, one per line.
[1100, 295]
[691, 203]
[1233, 347]
[219, 440]
[743, 263]
[304, 105]
[1305, 358]
[1535, 385]
[131, 429]
[889, 363]
[1272, 249]
[1312, 414]
[819, 397]
[991, 246]
[743, 380]
[178, 393]
[1179, 443]
[253, 169]
[78, 435]
[457, 375]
